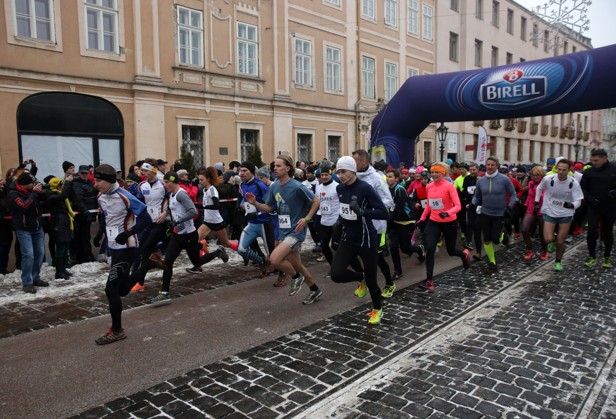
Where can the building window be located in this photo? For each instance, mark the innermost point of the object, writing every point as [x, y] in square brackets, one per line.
[247, 50]
[566, 47]
[34, 19]
[523, 29]
[192, 139]
[495, 12]
[413, 72]
[535, 34]
[333, 147]
[368, 76]
[367, 9]
[479, 9]
[249, 139]
[332, 69]
[413, 16]
[427, 23]
[391, 80]
[522, 59]
[453, 47]
[427, 150]
[546, 41]
[455, 5]
[509, 59]
[478, 52]
[334, 2]
[494, 58]
[303, 62]
[102, 18]
[190, 36]
[573, 49]
[304, 147]
[391, 13]
[510, 21]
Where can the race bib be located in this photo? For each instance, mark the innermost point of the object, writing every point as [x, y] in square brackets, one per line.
[112, 233]
[154, 212]
[471, 190]
[557, 203]
[437, 203]
[326, 209]
[284, 221]
[249, 208]
[423, 203]
[346, 213]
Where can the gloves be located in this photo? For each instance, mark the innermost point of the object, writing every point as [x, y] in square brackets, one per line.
[97, 239]
[420, 225]
[478, 210]
[354, 206]
[536, 208]
[443, 214]
[568, 205]
[122, 238]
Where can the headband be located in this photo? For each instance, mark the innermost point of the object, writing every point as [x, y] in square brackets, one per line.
[105, 176]
[439, 169]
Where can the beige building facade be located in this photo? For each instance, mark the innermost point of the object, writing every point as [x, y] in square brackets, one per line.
[114, 81]
[476, 34]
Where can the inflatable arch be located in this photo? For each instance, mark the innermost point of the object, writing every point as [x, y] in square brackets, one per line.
[569, 83]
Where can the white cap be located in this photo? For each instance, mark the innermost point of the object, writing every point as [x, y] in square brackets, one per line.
[559, 158]
[147, 166]
[413, 171]
[346, 163]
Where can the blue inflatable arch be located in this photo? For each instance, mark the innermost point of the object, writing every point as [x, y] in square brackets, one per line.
[569, 83]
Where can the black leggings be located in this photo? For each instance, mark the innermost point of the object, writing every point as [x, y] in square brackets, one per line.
[325, 234]
[157, 234]
[345, 254]
[400, 240]
[492, 228]
[119, 283]
[607, 231]
[432, 235]
[473, 227]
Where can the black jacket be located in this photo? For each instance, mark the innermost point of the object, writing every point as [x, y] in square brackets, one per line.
[597, 183]
[24, 207]
[60, 221]
[83, 196]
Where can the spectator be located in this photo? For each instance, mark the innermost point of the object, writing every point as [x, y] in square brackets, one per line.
[83, 200]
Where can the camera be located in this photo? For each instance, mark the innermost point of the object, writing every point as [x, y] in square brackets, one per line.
[45, 186]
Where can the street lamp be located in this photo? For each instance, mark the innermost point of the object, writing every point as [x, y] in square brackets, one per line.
[441, 135]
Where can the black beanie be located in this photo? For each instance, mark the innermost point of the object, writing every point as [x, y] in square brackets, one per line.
[250, 166]
[67, 165]
[25, 179]
[105, 172]
[172, 177]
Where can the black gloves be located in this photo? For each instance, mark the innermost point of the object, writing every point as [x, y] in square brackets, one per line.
[536, 208]
[97, 239]
[568, 205]
[443, 214]
[122, 238]
[420, 225]
[354, 206]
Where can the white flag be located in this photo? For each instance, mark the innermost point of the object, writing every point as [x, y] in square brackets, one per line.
[482, 146]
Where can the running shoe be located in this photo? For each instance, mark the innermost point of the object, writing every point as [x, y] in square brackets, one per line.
[551, 247]
[396, 275]
[194, 270]
[110, 336]
[462, 236]
[328, 274]
[516, 236]
[558, 266]
[466, 259]
[529, 255]
[204, 246]
[160, 297]
[281, 281]
[313, 296]
[490, 269]
[296, 285]
[361, 289]
[439, 244]
[569, 239]
[607, 263]
[427, 285]
[321, 258]
[223, 254]
[316, 249]
[388, 291]
[590, 262]
[137, 288]
[544, 254]
[263, 266]
[469, 245]
[375, 317]
[477, 257]
[422, 255]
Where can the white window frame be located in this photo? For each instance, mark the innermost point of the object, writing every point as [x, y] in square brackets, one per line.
[427, 26]
[413, 17]
[56, 22]
[303, 73]
[246, 44]
[240, 125]
[82, 17]
[190, 30]
[368, 9]
[368, 77]
[412, 72]
[391, 13]
[332, 71]
[391, 79]
[312, 134]
[454, 46]
[102, 11]
[328, 135]
[33, 19]
[335, 3]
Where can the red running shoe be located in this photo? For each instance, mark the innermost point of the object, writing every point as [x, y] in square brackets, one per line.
[529, 255]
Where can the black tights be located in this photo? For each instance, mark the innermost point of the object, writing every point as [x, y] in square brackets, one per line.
[345, 254]
[432, 235]
[325, 234]
[119, 283]
[607, 231]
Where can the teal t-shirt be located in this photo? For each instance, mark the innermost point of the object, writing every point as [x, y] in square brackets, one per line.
[291, 201]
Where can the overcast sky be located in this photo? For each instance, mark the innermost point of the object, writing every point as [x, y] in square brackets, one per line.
[602, 15]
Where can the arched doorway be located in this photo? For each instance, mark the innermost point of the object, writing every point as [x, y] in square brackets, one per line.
[59, 126]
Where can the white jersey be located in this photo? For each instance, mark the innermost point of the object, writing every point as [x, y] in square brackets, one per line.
[211, 216]
[154, 196]
[119, 207]
[178, 211]
[557, 193]
[329, 208]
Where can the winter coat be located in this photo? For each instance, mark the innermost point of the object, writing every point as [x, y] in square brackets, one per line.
[83, 197]
[25, 208]
[60, 222]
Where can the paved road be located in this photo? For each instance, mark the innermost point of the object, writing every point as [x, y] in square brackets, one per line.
[526, 343]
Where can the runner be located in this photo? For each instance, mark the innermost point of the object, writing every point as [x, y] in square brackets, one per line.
[329, 208]
[183, 235]
[122, 217]
[439, 218]
[533, 218]
[290, 200]
[473, 228]
[359, 203]
[563, 195]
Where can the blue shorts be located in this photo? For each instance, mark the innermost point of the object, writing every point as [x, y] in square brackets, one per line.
[557, 220]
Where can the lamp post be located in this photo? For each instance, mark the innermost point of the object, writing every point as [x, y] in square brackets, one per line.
[441, 135]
